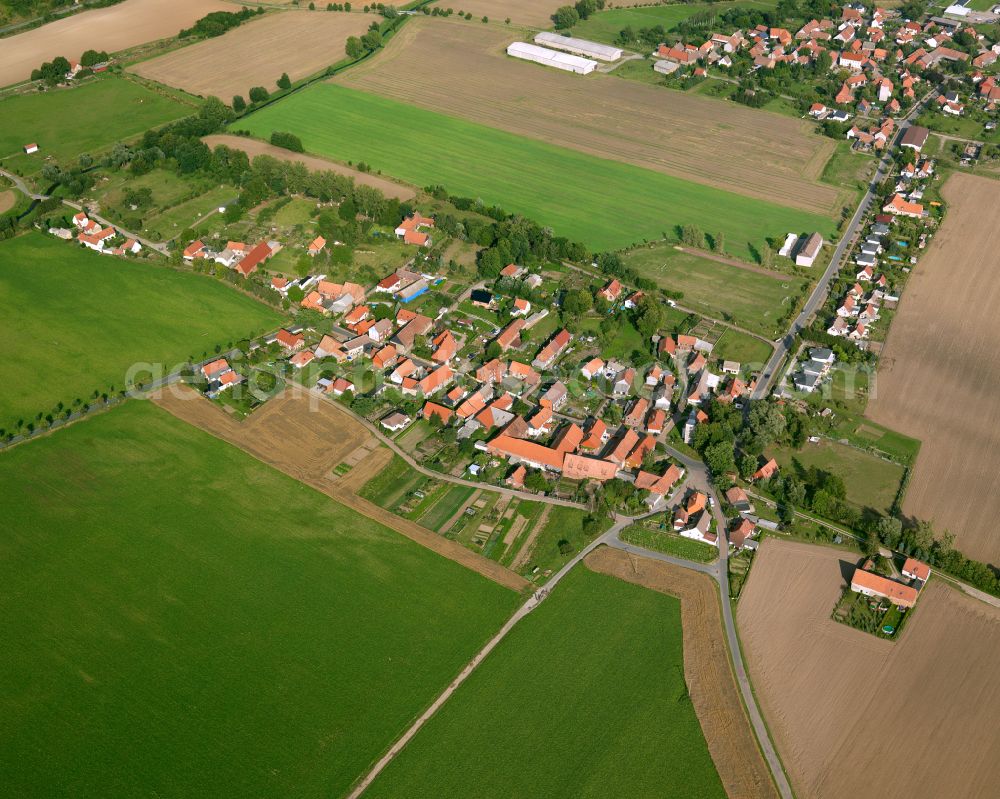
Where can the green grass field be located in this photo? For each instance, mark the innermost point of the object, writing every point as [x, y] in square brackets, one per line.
[181, 620]
[446, 507]
[75, 321]
[870, 481]
[741, 347]
[744, 297]
[605, 25]
[67, 122]
[670, 543]
[604, 204]
[585, 698]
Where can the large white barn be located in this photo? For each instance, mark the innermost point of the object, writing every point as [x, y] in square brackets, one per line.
[581, 47]
[540, 55]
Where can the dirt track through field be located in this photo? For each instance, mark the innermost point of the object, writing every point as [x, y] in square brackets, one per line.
[854, 715]
[706, 668]
[707, 141]
[255, 54]
[113, 28]
[939, 372]
[253, 147]
[305, 436]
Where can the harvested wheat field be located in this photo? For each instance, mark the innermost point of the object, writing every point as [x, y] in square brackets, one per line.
[306, 436]
[707, 141]
[114, 28]
[854, 715]
[254, 147]
[297, 42]
[707, 672]
[938, 372]
[8, 199]
[536, 13]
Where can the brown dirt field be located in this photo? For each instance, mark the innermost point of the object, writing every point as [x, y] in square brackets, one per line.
[305, 437]
[938, 373]
[853, 715]
[297, 42]
[113, 28]
[701, 139]
[709, 677]
[536, 13]
[8, 199]
[253, 147]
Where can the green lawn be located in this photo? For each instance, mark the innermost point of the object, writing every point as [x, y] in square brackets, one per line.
[870, 481]
[74, 321]
[669, 543]
[605, 25]
[564, 524]
[171, 222]
[737, 346]
[446, 507]
[585, 698]
[182, 620]
[604, 204]
[749, 299]
[67, 122]
[387, 487]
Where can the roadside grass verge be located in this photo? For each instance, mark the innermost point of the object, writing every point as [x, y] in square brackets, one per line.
[585, 698]
[174, 592]
[604, 204]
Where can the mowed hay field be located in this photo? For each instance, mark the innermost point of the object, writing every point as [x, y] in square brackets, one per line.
[938, 372]
[181, 620]
[297, 42]
[585, 698]
[712, 142]
[755, 299]
[114, 28]
[602, 203]
[604, 26]
[74, 321]
[65, 123]
[854, 715]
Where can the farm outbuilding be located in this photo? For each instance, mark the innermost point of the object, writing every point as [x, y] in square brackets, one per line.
[581, 47]
[541, 55]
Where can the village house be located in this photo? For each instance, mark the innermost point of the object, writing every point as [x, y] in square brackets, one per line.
[411, 230]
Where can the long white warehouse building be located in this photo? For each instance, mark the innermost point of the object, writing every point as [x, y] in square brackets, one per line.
[602, 52]
[540, 55]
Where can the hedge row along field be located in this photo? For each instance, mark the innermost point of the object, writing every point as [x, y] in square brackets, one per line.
[585, 698]
[183, 620]
[602, 203]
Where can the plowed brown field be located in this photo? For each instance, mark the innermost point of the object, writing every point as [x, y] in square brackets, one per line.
[306, 436]
[939, 372]
[255, 54]
[857, 716]
[254, 147]
[114, 28]
[706, 668]
[713, 142]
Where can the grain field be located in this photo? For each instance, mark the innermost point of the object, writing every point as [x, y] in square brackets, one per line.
[257, 53]
[712, 142]
[938, 372]
[709, 677]
[854, 715]
[113, 28]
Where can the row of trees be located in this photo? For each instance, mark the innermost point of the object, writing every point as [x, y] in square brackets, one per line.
[218, 22]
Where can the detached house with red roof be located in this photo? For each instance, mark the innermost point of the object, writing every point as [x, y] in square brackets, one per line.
[411, 230]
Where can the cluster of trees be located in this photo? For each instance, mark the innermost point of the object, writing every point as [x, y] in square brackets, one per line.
[52, 72]
[730, 442]
[359, 46]
[568, 16]
[218, 22]
[338, 7]
[288, 141]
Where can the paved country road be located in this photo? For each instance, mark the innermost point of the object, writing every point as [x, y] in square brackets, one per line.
[818, 295]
